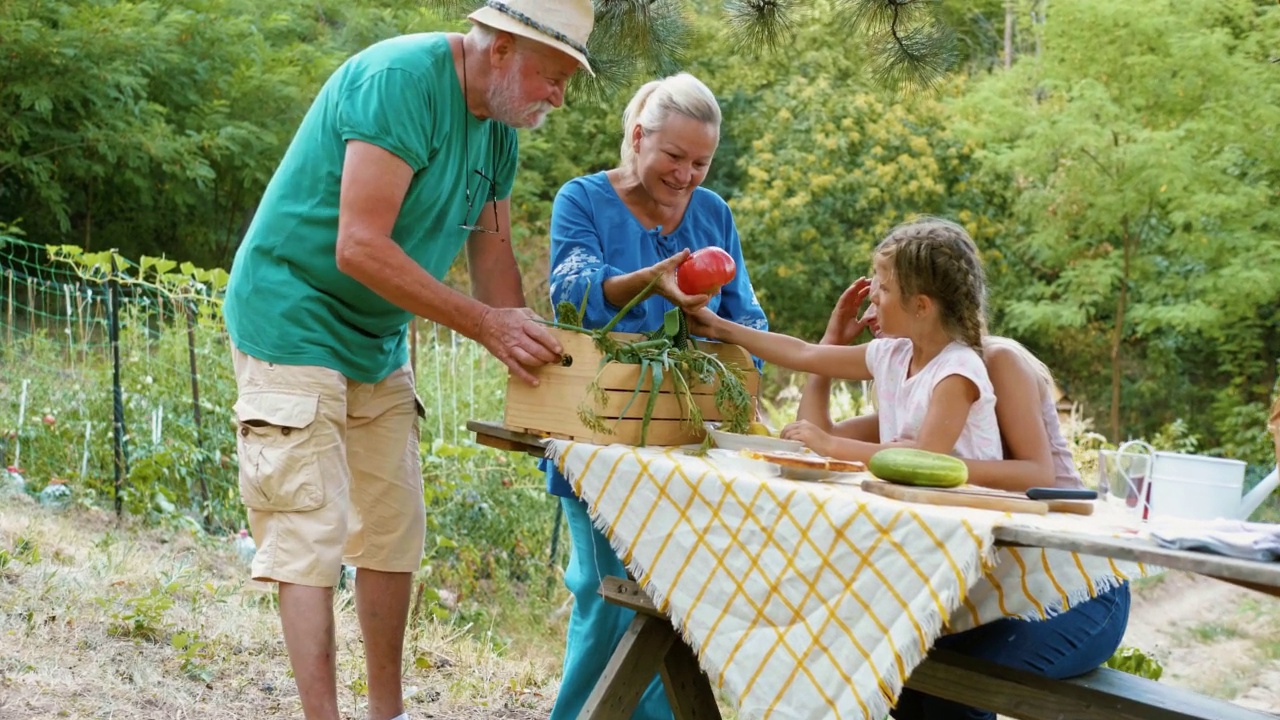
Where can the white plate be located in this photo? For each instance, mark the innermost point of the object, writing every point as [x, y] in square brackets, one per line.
[735, 441]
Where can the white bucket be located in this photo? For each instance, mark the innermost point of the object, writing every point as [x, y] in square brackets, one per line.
[1195, 487]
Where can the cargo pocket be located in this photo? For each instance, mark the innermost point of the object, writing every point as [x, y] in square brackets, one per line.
[278, 470]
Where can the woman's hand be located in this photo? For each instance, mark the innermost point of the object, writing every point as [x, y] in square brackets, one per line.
[668, 288]
[845, 325]
[705, 323]
[811, 435]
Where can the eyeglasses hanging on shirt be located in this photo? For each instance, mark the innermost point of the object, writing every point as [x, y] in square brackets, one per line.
[471, 199]
[484, 179]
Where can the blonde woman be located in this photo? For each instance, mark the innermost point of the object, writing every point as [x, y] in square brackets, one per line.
[612, 233]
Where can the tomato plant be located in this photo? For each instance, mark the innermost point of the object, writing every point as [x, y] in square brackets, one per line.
[705, 271]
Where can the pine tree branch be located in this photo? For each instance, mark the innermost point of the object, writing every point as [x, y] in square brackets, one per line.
[909, 47]
[756, 25]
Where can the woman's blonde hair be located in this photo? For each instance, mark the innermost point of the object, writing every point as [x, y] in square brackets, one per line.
[654, 102]
[1043, 375]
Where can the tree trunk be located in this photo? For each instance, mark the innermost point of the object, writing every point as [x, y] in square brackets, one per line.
[1117, 336]
[1008, 33]
[1037, 22]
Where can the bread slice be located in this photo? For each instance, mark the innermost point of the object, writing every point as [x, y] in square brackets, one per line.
[806, 461]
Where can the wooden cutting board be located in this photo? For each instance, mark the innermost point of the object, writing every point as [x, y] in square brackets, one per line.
[976, 497]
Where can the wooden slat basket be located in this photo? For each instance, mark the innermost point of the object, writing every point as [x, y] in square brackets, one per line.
[551, 408]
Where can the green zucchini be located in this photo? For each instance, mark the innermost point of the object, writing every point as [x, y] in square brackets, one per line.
[909, 466]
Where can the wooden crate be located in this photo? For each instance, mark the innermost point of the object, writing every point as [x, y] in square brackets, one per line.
[551, 408]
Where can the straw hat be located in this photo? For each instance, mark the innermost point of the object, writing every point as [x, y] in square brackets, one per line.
[564, 25]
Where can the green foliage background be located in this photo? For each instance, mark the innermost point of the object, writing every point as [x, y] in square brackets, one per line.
[1120, 176]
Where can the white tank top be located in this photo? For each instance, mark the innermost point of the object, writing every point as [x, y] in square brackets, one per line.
[902, 402]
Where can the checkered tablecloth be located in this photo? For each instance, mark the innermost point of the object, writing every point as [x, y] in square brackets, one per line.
[813, 599]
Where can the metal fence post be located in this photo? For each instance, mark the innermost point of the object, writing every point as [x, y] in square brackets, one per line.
[117, 393]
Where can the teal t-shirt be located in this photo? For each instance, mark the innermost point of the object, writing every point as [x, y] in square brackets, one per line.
[287, 302]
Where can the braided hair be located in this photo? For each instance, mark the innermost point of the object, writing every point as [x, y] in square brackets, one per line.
[937, 258]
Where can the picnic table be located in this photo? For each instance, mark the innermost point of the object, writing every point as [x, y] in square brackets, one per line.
[797, 636]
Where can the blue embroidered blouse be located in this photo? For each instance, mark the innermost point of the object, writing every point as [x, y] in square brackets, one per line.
[594, 237]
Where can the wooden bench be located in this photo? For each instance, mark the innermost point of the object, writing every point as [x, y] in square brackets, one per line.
[651, 645]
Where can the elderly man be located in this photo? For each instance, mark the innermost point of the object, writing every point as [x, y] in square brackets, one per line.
[408, 151]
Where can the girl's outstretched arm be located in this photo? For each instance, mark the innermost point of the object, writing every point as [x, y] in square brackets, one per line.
[833, 361]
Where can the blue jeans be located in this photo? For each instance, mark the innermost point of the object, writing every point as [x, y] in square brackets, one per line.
[596, 626]
[1063, 646]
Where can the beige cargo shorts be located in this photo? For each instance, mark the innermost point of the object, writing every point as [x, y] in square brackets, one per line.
[329, 471]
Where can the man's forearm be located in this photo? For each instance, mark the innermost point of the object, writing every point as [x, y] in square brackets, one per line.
[495, 275]
[381, 264]
[499, 287]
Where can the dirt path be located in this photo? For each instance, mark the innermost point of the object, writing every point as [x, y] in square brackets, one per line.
[1211, 636]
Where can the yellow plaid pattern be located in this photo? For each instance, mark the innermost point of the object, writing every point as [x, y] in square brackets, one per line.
[809, 600]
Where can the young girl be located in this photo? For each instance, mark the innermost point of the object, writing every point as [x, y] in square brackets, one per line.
[1035, 452]
[1063, 646]
[932, 386]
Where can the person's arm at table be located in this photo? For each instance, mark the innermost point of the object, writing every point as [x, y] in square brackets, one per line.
[1029, 454]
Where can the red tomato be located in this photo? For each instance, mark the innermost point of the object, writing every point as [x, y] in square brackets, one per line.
[705, 271]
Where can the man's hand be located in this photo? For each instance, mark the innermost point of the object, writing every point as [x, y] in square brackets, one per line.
[811, 435]
[844, 326]
[514, 336]
[669, 288]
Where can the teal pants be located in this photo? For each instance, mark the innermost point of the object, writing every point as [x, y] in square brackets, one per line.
[595, 627]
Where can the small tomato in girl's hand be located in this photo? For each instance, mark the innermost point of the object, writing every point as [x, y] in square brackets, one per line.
[705, 271]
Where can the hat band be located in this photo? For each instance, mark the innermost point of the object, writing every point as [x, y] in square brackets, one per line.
[534, 24]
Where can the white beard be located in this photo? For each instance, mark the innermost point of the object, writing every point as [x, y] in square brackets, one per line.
[503, 100]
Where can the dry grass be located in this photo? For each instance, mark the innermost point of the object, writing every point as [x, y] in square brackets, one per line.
[100, 621]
